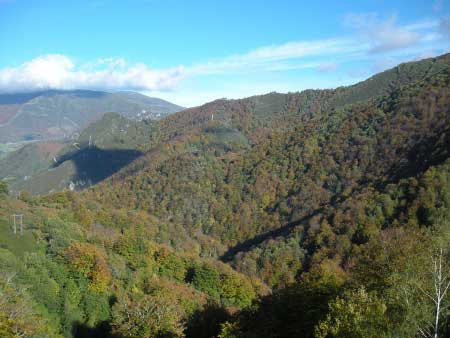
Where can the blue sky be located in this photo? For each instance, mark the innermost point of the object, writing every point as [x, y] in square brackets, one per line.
[191, 52]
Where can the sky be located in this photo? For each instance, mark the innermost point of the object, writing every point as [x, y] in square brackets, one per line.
[192, 52]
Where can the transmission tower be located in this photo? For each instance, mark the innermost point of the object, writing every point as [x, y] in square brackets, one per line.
[20, 223]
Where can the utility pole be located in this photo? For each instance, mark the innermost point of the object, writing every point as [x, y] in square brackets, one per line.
[20, 217]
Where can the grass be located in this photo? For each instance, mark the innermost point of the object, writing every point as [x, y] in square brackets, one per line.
[16, 243]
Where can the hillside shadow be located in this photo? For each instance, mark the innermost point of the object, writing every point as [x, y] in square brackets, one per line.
[94, 164]
[430, 151]
[101, 330]
[207, 322]
[286, 229]
[282, 231]
[293, 311]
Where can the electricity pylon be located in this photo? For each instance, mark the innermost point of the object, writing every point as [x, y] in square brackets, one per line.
[20, 217]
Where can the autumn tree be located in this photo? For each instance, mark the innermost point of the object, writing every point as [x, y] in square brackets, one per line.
[147, 317]
[91, 262]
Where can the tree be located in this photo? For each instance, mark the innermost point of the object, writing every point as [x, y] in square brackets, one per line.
[422, 281]
[435, 290]
[206, 279]
[236, 291]
[147, 317]
[91, 262]
[355, 315]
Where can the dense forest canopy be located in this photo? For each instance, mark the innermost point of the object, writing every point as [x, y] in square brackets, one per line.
[324, 213]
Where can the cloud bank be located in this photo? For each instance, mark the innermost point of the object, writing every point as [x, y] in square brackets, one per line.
[57, 71]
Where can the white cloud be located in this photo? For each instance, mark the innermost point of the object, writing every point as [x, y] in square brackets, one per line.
[295, 50]
[57, 71]
[382, 35]
[275, 57]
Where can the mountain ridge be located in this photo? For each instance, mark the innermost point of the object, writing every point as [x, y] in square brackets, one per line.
[57, 114]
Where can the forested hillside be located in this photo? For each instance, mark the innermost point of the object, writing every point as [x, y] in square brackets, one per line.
[324, 213]
[246, 195]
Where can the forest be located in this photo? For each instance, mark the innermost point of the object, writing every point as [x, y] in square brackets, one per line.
[323, 213]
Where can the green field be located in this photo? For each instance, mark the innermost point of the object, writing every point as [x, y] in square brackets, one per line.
[17, 243]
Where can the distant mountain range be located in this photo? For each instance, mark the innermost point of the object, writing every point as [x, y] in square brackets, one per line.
[55, 114]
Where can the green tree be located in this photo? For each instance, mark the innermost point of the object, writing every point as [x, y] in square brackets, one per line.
[206, 279]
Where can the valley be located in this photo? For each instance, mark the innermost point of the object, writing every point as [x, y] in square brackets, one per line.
[308, 214]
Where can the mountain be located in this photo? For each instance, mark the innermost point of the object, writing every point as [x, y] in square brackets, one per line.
[235, 124]
[318, 214]
[262, 168]
[57, 114]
